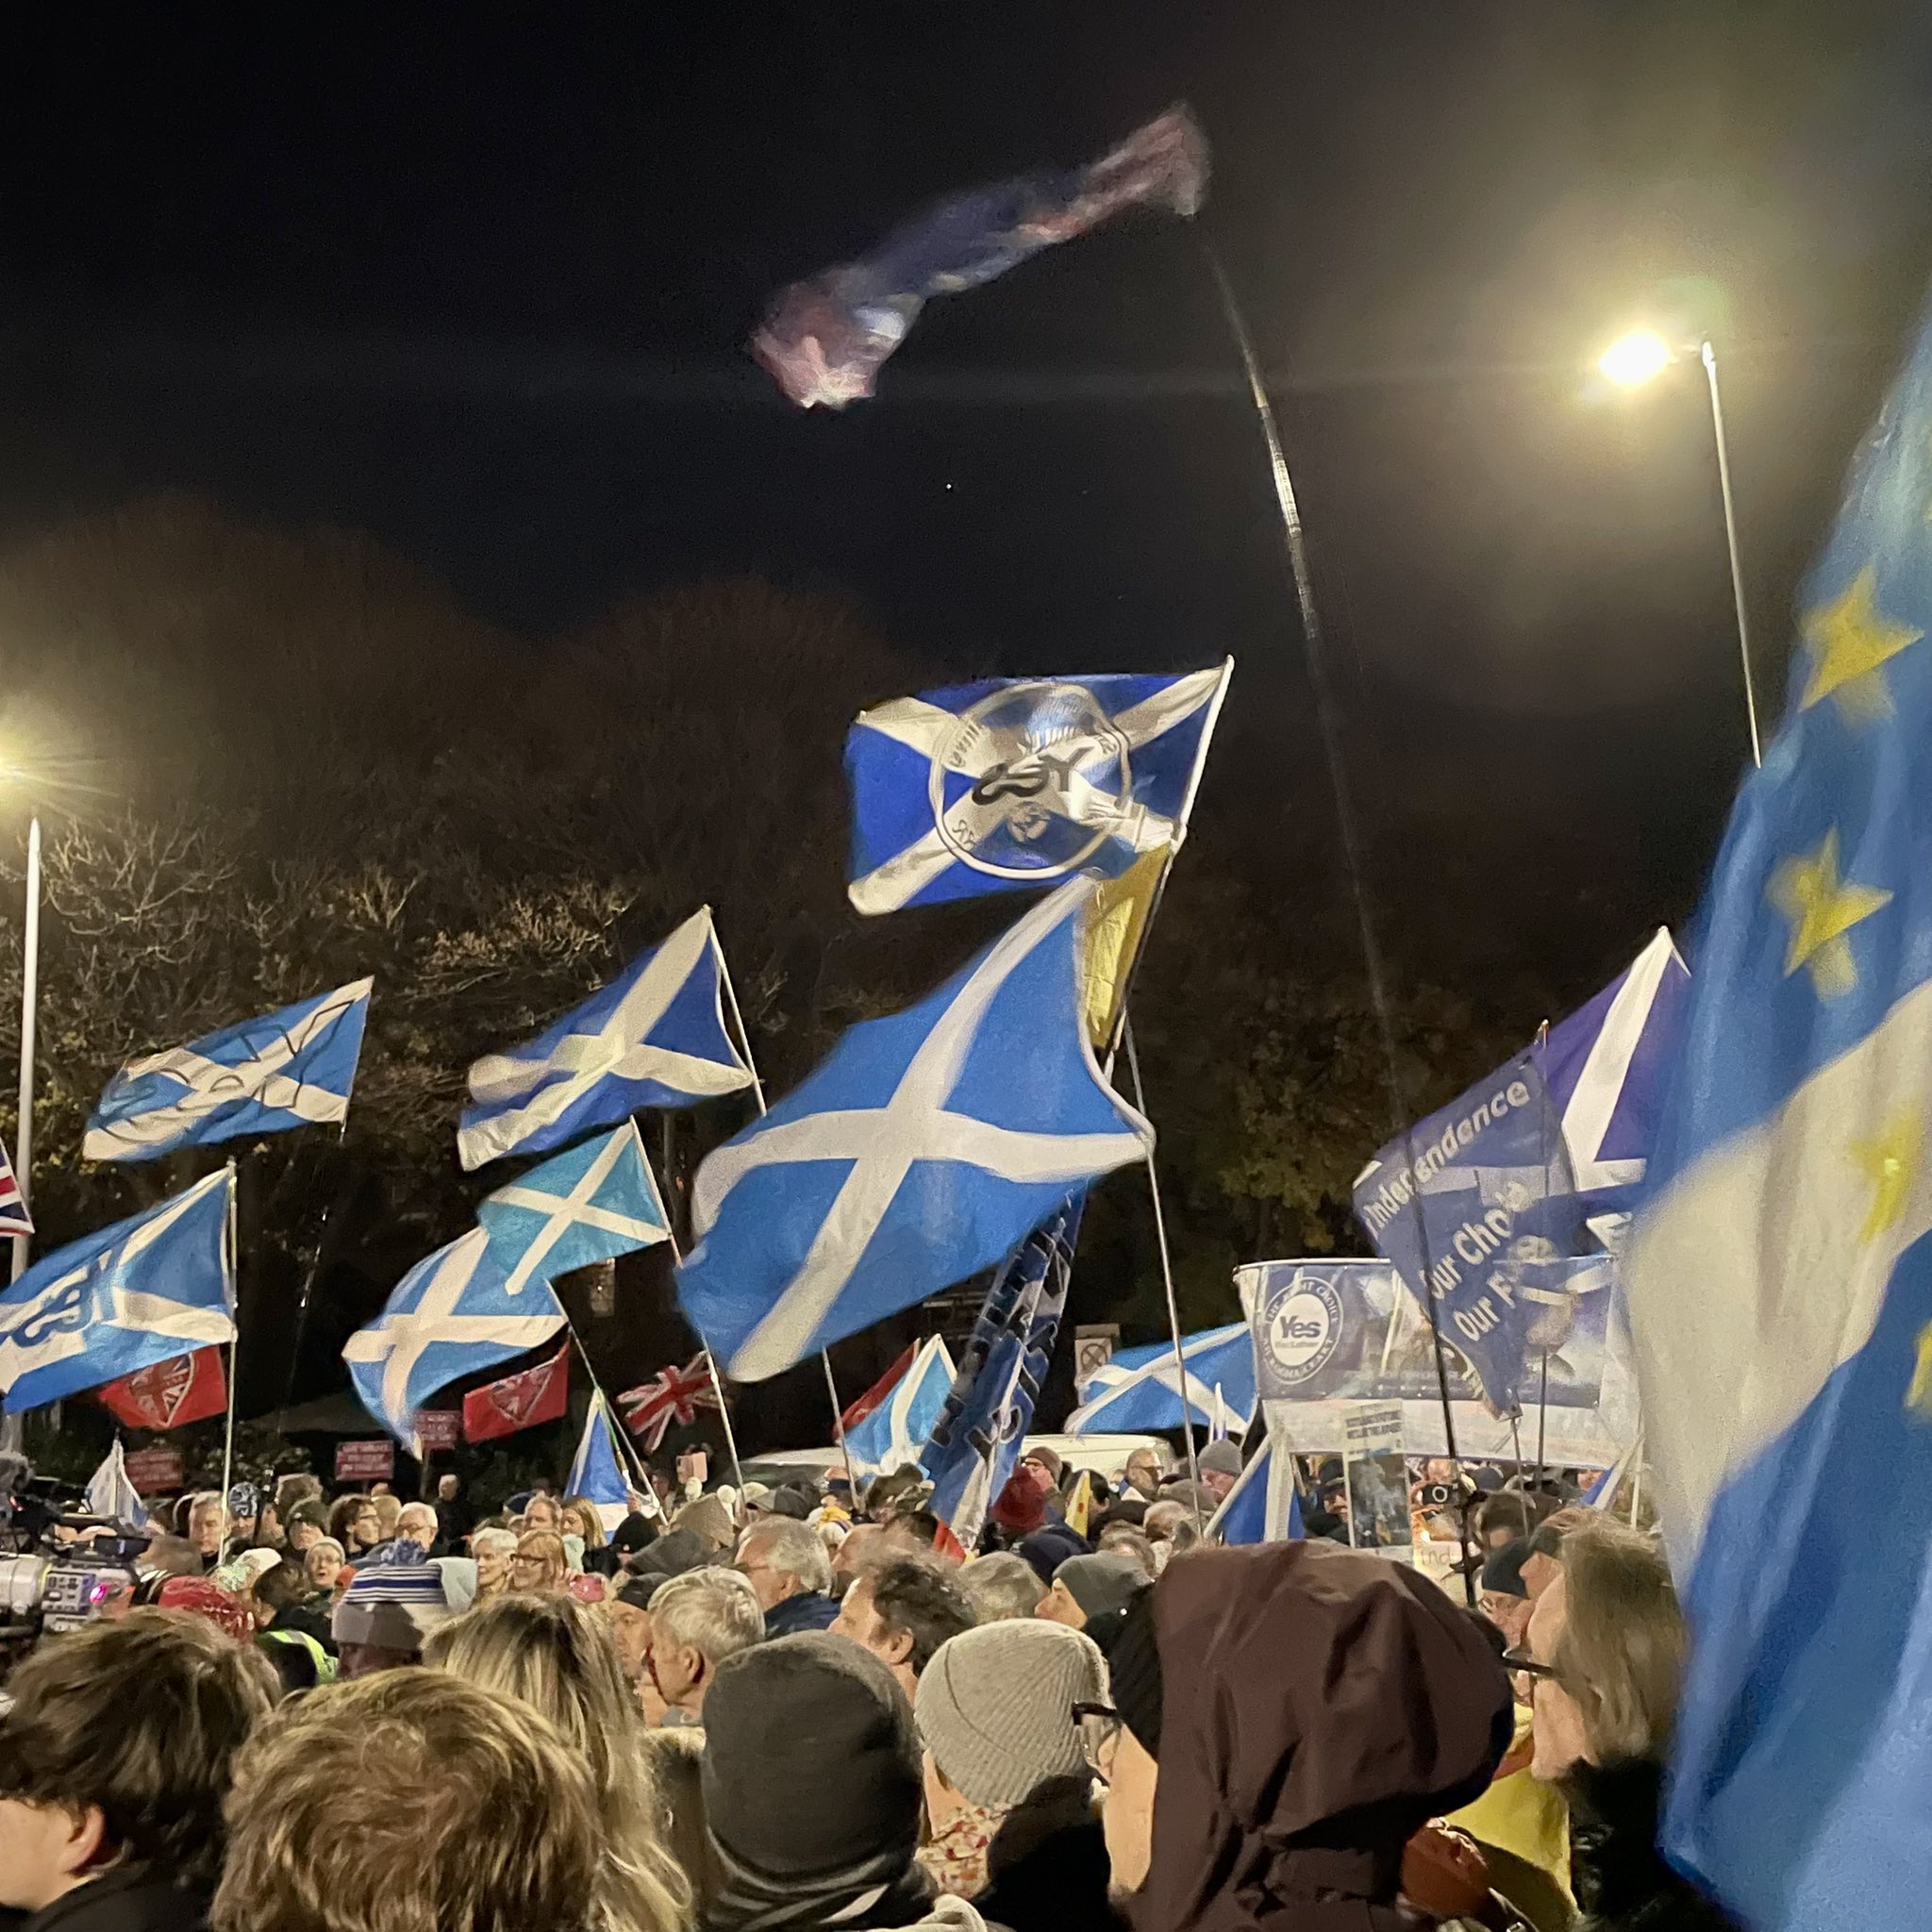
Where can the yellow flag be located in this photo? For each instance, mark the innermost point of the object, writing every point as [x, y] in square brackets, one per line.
[1114, 929]
[1080, 1504]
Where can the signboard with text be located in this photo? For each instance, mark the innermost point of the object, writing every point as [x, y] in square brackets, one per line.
[364, 1462]
[154, 1471]
[438, 1428]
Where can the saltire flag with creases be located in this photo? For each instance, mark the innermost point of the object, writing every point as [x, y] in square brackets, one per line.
[286, 1069]
[1779, 1271]
[823, 339]
[1142, 1388]
[919, 1153]
[590, 1203]
[1015, 783]
[597, 1471]
[856, 1412]
[894, 1434]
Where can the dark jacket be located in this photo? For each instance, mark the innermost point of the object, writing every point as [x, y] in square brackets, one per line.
[309, 1619]
[808, 1610]
[1618, 1876]
[124, 1902]
[671, 1554]
[1047, 1869]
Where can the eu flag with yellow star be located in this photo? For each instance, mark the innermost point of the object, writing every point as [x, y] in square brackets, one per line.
[1779, 1276]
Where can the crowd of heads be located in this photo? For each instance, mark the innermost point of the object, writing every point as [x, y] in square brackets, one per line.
[794, 1707]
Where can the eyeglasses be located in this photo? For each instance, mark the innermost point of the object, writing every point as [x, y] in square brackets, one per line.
[1524, 1665]
[1100, 1733]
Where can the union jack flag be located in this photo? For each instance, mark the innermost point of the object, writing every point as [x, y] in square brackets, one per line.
[672, 1396]
[14, 1218]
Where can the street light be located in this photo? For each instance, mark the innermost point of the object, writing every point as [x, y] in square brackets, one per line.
[1640, 356]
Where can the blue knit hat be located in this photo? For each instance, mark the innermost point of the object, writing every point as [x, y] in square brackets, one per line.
[392, 1606]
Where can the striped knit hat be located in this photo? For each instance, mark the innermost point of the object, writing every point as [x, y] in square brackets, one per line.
[392, 1606]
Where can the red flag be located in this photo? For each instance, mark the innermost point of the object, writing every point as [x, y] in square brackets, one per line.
[163, 1395]
[671, 1396]
[519, 1402]
[878, 1391]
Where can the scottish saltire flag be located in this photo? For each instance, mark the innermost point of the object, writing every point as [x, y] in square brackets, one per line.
[155, 1285]
[110, 1491]
[1779, 1273]
[654, 1036]
[454, 1312]
[287, 1068]
[1015, 783]
[596, 1471]
[587, 1204]
[1142, 1388]
[823, 339]
[1264, 1505]
[1602, 1493]
[976, 1440]
[14, 1219]
[918, 1154]
[895, 1433]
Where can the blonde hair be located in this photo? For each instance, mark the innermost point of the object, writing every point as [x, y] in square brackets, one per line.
[1621, 1651]
[544, 1547]
[675, 1759]
[556, 1657]
[388, 1508]
[587, 1515]
[408, 1801]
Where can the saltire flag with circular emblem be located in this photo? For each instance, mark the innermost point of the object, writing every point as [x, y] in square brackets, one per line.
[1014, 783]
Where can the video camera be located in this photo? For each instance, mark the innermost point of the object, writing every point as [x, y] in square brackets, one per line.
[59, 1566]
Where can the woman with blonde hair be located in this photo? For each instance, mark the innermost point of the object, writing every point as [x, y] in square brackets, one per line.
[555, 1657]
[540, 1564]
[581, 1520]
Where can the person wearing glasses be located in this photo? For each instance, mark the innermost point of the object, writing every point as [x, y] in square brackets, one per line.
[1603, 1658]
[540, 1564]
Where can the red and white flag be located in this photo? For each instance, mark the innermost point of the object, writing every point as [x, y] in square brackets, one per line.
[519, 1402]
[163, 1395]
[672, 1396]
[14, 1219]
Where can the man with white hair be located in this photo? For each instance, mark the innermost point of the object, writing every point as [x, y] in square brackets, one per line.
[785, 1562]
[418, 1524]
[696, 1622]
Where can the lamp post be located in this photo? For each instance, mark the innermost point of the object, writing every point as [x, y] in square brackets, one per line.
[1639, 358]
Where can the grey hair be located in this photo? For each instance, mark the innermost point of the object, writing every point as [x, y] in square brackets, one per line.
[792, 1548]
[1002, 1585]
[502, 1540]
[713, 1610]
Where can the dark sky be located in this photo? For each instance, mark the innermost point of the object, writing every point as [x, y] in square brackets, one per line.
[478, 280]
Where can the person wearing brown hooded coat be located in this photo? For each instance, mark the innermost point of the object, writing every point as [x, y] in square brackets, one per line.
[1291, 1715]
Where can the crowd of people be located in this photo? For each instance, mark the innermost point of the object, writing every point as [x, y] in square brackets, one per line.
[758, 1708]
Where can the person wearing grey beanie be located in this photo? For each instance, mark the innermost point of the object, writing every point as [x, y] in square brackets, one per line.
[1089, 1587]
[1008, 1782]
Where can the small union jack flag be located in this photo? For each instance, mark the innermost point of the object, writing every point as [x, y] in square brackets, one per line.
[14, 1218]
[672, 1396]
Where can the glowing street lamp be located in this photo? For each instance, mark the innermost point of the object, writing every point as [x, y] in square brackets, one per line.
[1640, 356]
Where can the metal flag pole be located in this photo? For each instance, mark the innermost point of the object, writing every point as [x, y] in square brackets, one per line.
[232, 1238]
[1707, 353]
[1521, 1494]
[1542, 1417]
[1328, 719]
[1173, 1313]
[758, 1090]
[628, 1450]
[13, 1426]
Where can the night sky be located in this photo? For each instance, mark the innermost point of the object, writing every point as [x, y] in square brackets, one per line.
[481, 286]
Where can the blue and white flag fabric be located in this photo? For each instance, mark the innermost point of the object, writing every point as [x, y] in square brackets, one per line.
[1011, 783]
[1264, 1505]
[1141, 1388]
[654, 1036]
[976, 1440]
[287, 1069]
[111, 1494]
[597, 1471]
[149, 1287]
[587, 1204]
[1602, 1494]
[452, 1314]
[895, 1432]
[923, 1149]
[1779, 1273]
[825, 338]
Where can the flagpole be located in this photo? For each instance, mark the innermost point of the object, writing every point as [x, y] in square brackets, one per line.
[1173, 1315]
[757, 1089]
[29, 1017]
[629, 1449]
[1295, 541]
[234, 1247]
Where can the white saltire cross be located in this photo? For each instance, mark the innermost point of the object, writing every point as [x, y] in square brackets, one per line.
[1594, 1101]
[616, 1050]
[400, 1340]
[207, 1084]
[935, 734]
[1106, 1385]
[883, 1142]
[579, 1207]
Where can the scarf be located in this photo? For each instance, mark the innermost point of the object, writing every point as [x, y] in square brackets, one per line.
[882, 1892]
[954, 1856]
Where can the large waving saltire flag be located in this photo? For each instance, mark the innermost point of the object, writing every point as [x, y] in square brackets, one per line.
[286, 1069]
[453, 1313]
[895, 1433]
[1779, 1275]
[140, 1291]
[1015, 783]
[587, 1204]
[918, 1154]
[823, 339]
[654, 1036]
[1144, 1388]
